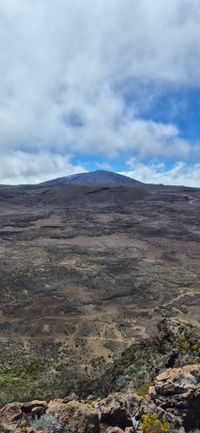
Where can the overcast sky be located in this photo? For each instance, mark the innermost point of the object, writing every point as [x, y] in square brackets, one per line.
[89, 84]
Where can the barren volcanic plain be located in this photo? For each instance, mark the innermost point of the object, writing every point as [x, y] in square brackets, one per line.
[85, 270]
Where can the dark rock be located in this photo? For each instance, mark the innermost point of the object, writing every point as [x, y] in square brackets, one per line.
[38, 411]
[117, 410]
[31, 405]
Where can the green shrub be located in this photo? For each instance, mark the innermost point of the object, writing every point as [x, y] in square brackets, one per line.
[143, 390]
[152, 424]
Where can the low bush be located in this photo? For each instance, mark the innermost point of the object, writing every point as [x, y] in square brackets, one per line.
[48, 423]
[152, 424]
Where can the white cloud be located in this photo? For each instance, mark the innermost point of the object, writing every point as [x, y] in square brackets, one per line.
[180, 173]
[62, 65]
[103, 166]
[20, 167]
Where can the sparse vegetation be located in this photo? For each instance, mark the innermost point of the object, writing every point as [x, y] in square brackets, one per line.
[84, 275]
[49, 423]
[23, 425]
[152, 424]
[137, 367]
[143, 390]
[29, 379]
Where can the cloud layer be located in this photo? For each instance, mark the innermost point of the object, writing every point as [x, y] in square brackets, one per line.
[21, 167]
[157, 173]
[66, 70]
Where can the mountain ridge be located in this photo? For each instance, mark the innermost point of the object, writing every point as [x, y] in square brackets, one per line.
[96, 177]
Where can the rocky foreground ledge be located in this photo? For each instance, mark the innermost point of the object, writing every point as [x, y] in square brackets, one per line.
[172, 405]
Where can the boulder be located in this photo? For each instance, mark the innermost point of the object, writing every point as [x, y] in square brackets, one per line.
[177, 391]
[78, 417]
[11, 412]
[118, 409]
[33, 405]
[14, 411]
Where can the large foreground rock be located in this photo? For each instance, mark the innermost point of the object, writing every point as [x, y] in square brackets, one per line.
[177, 390]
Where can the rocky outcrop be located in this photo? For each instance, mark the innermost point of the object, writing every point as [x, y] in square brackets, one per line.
[115, 414]
[177, 391]
[175, 345]
[173, 401]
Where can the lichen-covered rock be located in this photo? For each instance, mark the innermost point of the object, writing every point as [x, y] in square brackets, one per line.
[178, 380]
[78, 417]
[177, 391]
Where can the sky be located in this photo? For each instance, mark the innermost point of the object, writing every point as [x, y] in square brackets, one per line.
[100, 84]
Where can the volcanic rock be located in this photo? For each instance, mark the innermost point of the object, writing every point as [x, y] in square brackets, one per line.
[177, 391]
[117, 410]
[77, 416]
[11, 412]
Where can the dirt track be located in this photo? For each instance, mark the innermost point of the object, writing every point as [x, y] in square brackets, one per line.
[90, 270]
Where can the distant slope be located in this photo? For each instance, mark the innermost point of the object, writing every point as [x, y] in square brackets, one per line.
[93, 177]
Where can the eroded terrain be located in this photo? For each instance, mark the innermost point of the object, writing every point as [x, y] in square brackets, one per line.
[85, 271]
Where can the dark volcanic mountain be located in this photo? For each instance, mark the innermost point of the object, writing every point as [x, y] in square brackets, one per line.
[93, 177]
